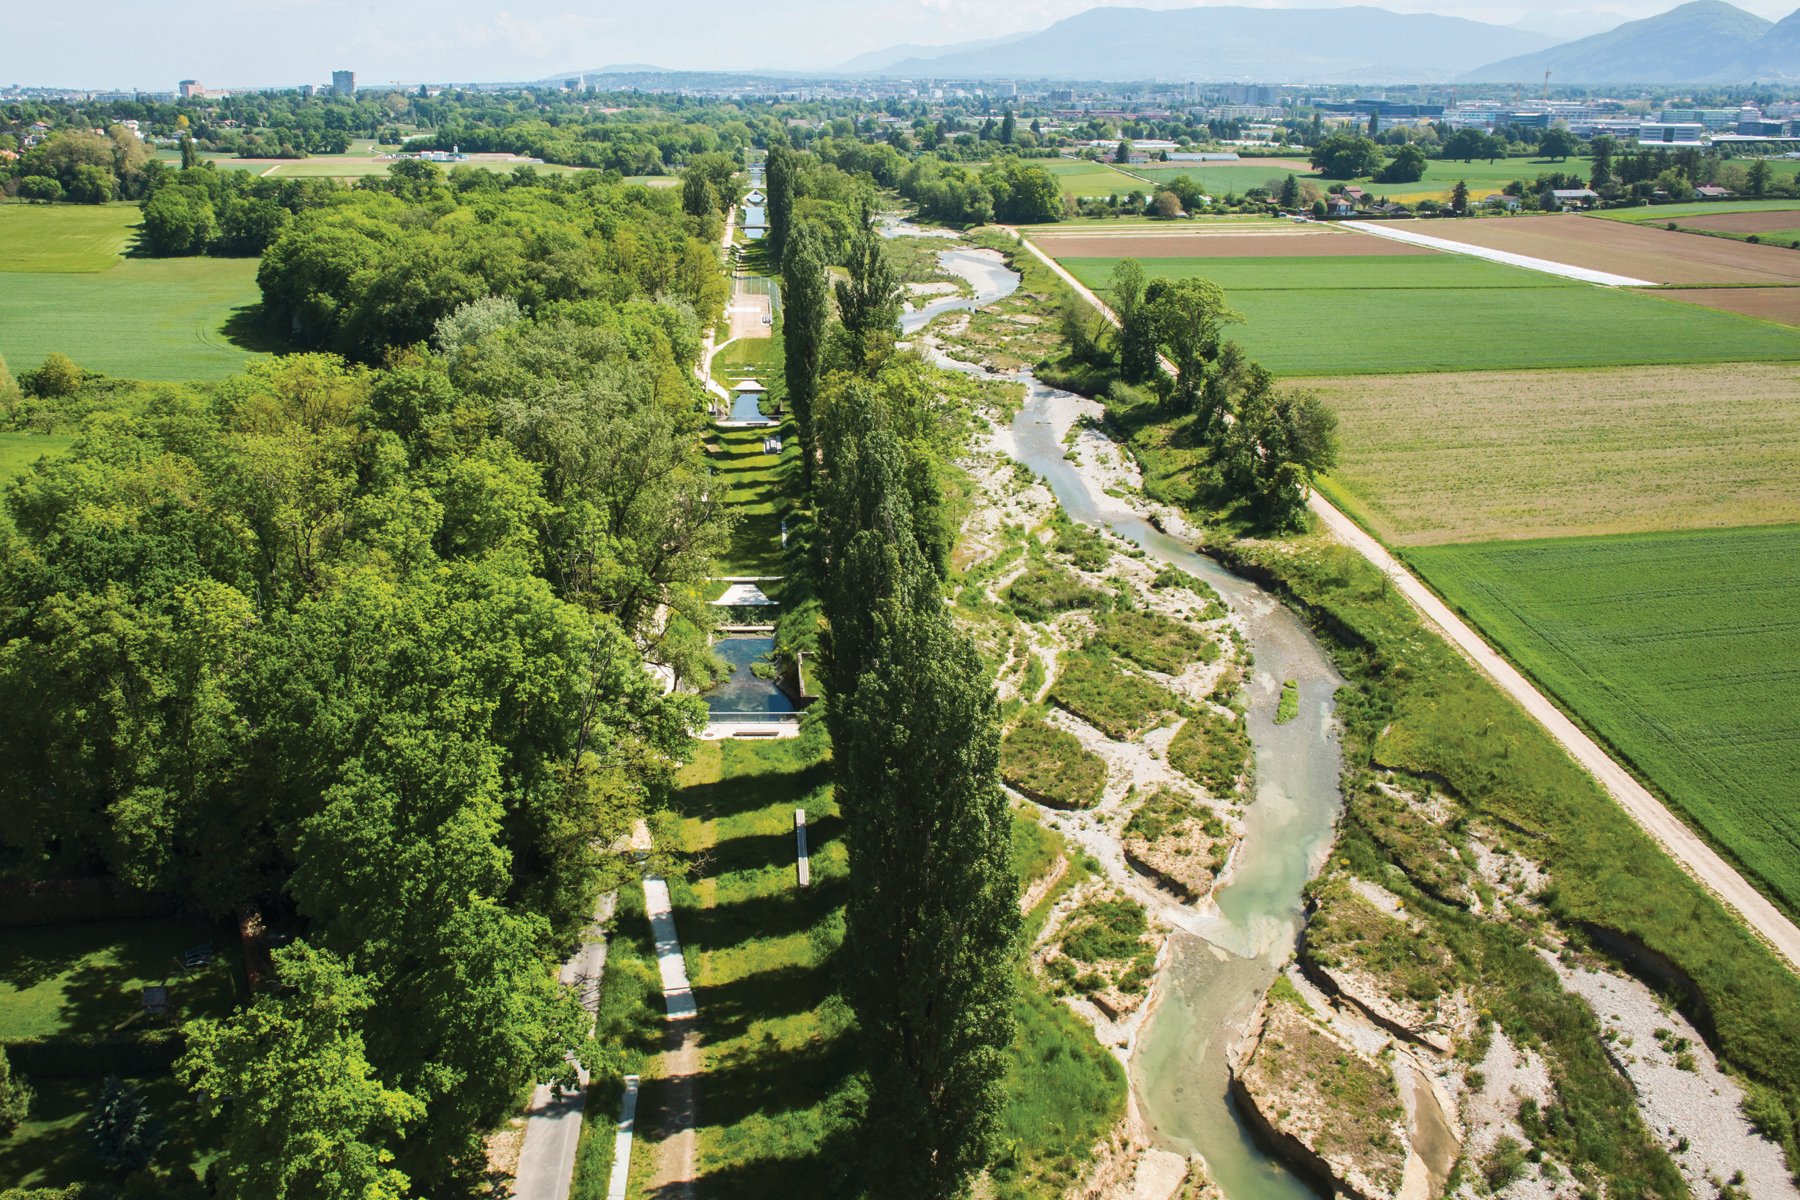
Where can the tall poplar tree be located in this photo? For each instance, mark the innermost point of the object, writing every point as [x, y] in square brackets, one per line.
[805, 309]
[869, 301]
[932, 923]
[778, 183]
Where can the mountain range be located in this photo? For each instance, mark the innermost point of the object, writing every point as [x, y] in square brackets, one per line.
[1220, 43]
[1703, 41]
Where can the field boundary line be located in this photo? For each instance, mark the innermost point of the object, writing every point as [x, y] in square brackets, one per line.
[1704, 864]
[1505, 257]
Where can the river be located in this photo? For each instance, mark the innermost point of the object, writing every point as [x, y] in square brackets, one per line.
[1213, 977]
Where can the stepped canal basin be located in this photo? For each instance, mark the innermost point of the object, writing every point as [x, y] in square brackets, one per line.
[1223, 956]
[744, 696]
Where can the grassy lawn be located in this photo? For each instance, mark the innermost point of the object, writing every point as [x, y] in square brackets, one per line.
[778, 1096]
[775, 1033]
[19, 450]
[1681, 649]
[1080, 177]
[1338, 326]
[90, 978]
[1485, 455]
[64, 237]
[168, 318]
[754, 490]
[52, 1147]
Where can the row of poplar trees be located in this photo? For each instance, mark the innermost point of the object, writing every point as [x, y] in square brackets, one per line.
[932, 924]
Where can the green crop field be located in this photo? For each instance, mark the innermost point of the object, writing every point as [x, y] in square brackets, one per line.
[1219, 179]
[64, 237]
[1324, 319]
[142, 318]
[1079, 177]
[1440, 176]
[1681, 649]
[1651, 214]
[1478, 455]
[1328, 272]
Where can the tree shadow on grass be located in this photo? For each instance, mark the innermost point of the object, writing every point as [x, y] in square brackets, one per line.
[730, 1009]
[747, 791]
[760, 851]
[250, 328]
[771, 1082]
[775, 915]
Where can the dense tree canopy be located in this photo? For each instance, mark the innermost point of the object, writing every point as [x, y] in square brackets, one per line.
[356, 278]
[367, 646]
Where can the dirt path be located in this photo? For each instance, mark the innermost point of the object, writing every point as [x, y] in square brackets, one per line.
[674, 1154]
[1670, 832]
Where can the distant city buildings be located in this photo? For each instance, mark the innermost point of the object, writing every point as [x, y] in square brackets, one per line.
[189, 89]
[343, 83]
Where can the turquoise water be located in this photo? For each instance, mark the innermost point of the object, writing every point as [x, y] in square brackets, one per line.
[743, 692]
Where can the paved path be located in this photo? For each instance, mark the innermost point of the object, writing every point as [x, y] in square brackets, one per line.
[1670, 832]
[553, 1121]
[1412, 237]
[675, 1156]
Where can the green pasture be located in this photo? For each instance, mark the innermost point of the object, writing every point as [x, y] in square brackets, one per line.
[19, 450]
[169, 318]
[1654, 214]
[64, 238]
[1080, 177]
[1681, 649]
[1328, 272]
[1440, 176]
[1341, 325]
[1218, 179]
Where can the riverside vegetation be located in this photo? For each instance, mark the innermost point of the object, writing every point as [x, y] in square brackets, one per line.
[1420, 722]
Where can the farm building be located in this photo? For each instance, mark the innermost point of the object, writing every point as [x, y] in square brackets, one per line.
[1575, 197]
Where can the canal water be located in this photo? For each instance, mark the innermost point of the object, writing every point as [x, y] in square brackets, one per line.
[743, 691]
[1211, 984]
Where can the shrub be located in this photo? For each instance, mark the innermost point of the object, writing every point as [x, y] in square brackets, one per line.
[1044, 591]
[15, 1097]
[1050, 766]
[1152, 640]
[59, 376]
[1110, 696]
[1212, 750]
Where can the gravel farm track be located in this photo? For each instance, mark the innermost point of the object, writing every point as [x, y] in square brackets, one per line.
[1680, 842]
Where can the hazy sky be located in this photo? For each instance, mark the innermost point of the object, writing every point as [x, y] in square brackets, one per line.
[238, 43]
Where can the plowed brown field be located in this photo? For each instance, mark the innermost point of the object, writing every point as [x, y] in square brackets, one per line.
[1781, 304]
[1744, 222]
[1654, 254]
[1274, 242]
